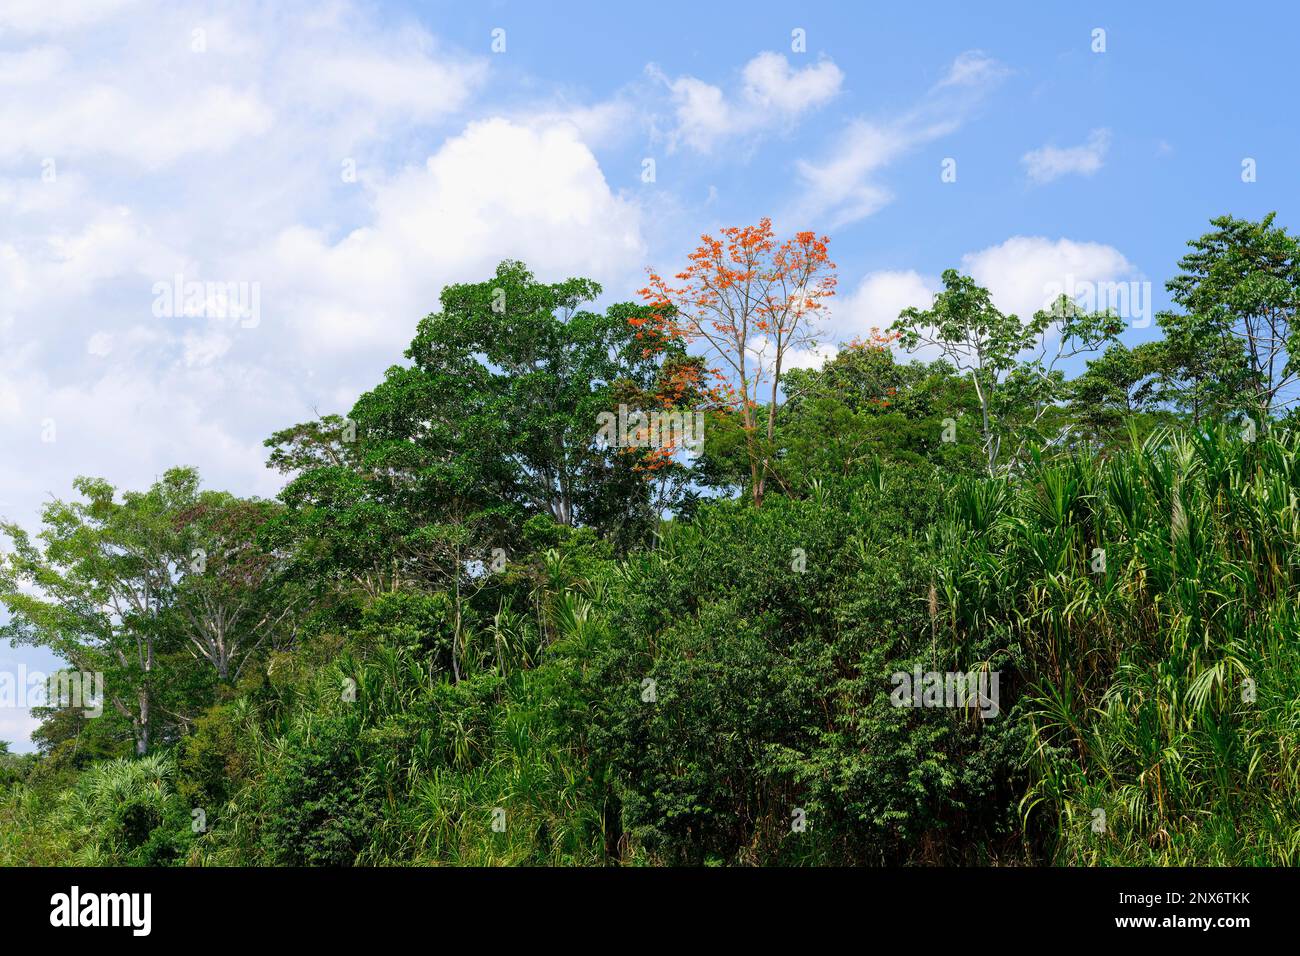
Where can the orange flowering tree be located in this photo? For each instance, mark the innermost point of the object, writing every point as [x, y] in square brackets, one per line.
[749, 299]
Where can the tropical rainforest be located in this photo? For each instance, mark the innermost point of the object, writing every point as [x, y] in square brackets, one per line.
[478, 627]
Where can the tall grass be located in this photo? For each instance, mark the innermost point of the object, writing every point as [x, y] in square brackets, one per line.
[1153, 601]
[118, 812]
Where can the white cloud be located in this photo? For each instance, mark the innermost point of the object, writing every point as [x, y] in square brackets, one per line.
[204, 349]
[365, 87]
[53, 16]
[28, 67]
[128, 427]
[498, 190]
[597, 124]
[1051, 162]
[100, 344]
[879, 298]
[70, 119]
[875, 305]
[189, 83]
[843, 187]
[840, 188]
[973, 68]
[55, 288]
[771, 83]
[809, 357]
[16, 726]
[1021, 272]
[773, 94]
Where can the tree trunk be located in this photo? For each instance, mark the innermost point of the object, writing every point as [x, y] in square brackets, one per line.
[142, 726]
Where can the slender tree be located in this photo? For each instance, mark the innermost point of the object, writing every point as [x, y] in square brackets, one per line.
[751, 300]
[1015, 380]
[95, 589]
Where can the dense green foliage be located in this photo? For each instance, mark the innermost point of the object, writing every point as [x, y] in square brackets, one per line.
[1155, 598]
[468, 634]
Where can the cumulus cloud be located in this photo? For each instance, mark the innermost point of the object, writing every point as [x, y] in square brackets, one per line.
[1051, 162]
[770, 82]
[1025, 273]
[128, 427]
[878, 300]
[772, 94]
[159, 82]
[812, 357]
[55, 16]
[74, 117]
[498, 190]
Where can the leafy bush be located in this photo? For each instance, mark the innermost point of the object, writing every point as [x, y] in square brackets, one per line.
[769, 699]
[126, 812]
[315, 805]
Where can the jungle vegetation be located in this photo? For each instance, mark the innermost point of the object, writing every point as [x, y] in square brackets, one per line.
[468, 633]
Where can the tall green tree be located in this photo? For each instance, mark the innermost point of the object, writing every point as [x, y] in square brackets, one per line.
[95, 585]
[1015, 381]
[493, 421]
[1236, 342]
[1117, 385]
[506, 387]
[235, 595]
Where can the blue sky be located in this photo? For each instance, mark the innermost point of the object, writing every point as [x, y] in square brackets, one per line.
[141, 140]
[1186, 91]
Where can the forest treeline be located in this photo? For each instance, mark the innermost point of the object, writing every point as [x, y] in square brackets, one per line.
[472, 631]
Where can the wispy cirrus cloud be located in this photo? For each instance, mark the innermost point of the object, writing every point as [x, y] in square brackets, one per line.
[843, 186]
